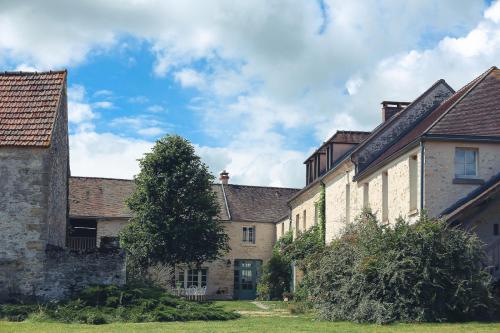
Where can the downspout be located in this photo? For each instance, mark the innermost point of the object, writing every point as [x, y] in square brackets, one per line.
[422, 178]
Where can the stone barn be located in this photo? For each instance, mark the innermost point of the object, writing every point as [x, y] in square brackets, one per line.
[34, 173]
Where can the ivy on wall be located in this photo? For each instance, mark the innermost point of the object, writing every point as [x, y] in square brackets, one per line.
[320, 208]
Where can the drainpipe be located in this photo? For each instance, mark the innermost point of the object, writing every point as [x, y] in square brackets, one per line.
[422, 178]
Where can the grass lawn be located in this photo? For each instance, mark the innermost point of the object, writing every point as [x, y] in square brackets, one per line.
[255, 320]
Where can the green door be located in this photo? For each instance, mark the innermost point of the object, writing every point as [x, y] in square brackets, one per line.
[246, 275]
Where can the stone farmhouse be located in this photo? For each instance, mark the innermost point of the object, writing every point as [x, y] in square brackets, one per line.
[249, 213]
[439, 154]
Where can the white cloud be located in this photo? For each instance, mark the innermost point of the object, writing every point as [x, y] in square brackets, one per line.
[79, 112]
[151, 131]
[144, 125]
[103, 105]
[190, 78]
[105, 154]
[269, 73]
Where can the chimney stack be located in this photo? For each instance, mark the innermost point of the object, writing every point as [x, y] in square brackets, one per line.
[224, 177]
[390, 109]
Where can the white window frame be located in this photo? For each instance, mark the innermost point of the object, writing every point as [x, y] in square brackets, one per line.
[183, 274]
[249, 234]
[463, 164]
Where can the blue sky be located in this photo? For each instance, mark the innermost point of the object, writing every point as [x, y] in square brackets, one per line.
[255, 86]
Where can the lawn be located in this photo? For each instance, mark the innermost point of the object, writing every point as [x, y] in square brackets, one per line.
[255, 319]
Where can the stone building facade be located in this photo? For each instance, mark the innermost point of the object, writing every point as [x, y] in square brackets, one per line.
[34, 171]
[248, 213]
[425, 157]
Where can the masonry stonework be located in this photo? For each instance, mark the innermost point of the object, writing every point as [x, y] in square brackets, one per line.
[23, 216]
[439, 188]
[305, 202]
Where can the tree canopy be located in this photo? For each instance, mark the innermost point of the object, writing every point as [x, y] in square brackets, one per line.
[174, 209]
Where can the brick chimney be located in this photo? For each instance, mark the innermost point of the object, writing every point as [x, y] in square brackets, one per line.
[390, 108]
[224, 177]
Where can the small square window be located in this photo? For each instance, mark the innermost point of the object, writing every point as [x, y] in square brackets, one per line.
[249, 235]
[465, 162]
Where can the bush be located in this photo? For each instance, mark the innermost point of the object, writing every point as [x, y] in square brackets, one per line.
[426, 272]
[105, 304]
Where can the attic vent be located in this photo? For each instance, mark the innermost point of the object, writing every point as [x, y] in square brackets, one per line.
[389, 109]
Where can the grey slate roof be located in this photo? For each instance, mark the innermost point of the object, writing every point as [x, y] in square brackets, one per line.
[104, 197]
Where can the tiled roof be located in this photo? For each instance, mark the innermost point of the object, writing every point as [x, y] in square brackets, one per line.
[353, 137]
[104, 197]
[99, 197]
[28, 107]
[257, 203]
[487, 189]
[447, 107]
[478, 114]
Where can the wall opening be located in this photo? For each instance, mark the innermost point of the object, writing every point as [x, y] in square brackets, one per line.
[413, 172]
[385, 196]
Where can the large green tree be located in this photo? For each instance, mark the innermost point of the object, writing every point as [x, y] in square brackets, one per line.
[174, 210]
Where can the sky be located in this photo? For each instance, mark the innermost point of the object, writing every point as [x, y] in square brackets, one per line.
[255, 86]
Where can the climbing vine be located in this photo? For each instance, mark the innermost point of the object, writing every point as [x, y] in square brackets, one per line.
[320, 207]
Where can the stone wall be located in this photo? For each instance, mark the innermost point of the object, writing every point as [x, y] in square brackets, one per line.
[109, 227]
[220, 281]
[69, 271]
[282, 227]
[57, 216]
[398, 181]
[305, 202]
[336, 200]
[24, 185]
[440, 191]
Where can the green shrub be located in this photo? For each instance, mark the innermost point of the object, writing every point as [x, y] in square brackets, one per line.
[105, 304]
[426, 272]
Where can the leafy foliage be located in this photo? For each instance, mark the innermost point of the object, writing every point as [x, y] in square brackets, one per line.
[425, 272]
[106, 304]
[174, 209]
[307, 242]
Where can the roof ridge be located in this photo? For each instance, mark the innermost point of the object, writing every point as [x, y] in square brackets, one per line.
[468, 87]
[33, 72]
[384, 124]
[103, 178]
[261, 186]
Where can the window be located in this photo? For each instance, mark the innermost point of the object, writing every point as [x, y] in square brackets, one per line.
[249, 235]
[413, 171]
[366, 199]
[304, 221]
[465, 162]
[347, 203]
[495, 229]
[297, 221]
[385, 197]
[282, 228]
[187, 278]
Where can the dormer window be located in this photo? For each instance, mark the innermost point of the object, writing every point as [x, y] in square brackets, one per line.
[466, 162]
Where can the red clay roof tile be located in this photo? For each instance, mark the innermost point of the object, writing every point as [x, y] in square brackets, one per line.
[28, 107]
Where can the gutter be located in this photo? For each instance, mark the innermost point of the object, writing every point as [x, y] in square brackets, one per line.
[451, 137]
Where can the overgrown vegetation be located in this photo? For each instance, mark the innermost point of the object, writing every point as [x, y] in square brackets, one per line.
[276, 275]
[425, 272]
[174, 210]
[277, 272]
[106, 304]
